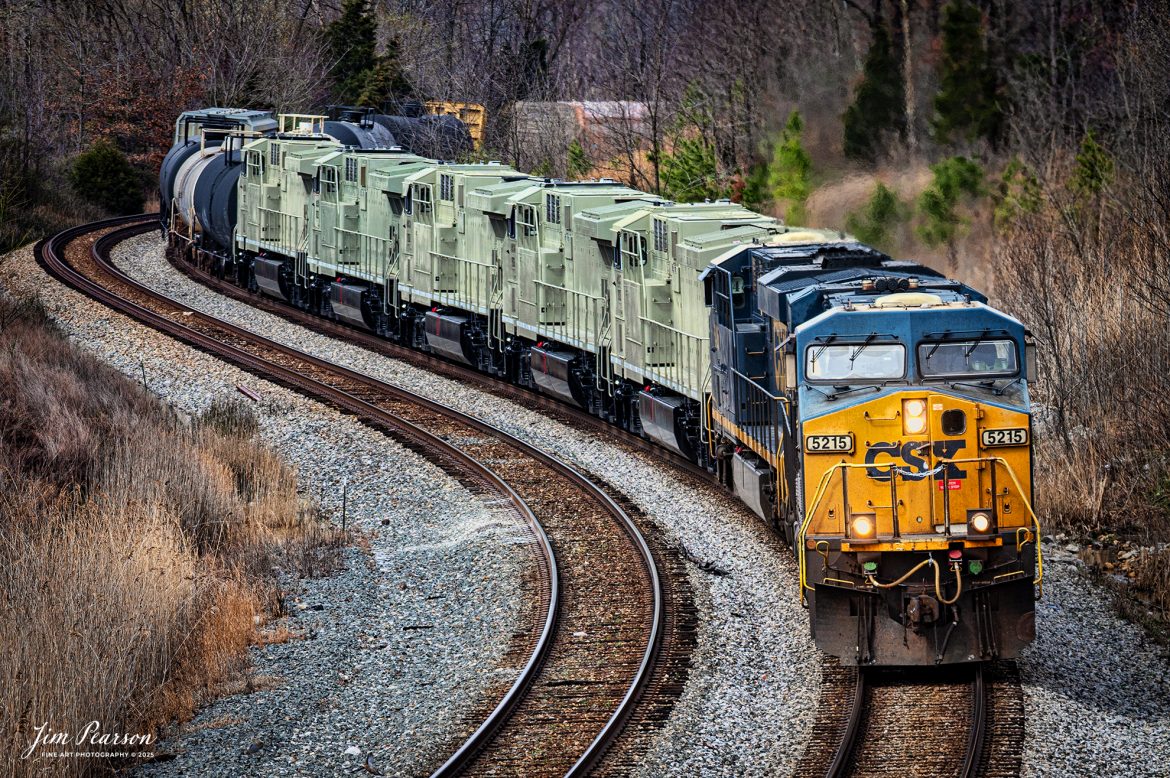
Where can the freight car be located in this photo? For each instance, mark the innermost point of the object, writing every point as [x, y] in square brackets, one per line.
[872, 411]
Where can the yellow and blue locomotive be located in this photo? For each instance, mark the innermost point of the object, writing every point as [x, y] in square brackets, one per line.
[877, 414]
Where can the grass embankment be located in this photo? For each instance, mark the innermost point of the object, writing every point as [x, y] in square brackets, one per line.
[138, 550]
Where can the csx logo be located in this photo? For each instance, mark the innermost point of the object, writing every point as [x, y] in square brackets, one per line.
[914, 455]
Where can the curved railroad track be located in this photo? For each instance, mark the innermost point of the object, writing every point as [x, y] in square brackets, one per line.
[964, 721]
[594, 659]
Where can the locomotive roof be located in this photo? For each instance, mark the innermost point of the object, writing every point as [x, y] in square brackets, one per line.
[796, 283]
[598, 221]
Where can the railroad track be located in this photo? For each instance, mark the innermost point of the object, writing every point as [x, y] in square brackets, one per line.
[962, 721]
[596, 656]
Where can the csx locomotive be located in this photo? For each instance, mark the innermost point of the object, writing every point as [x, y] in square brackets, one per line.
[872, 411]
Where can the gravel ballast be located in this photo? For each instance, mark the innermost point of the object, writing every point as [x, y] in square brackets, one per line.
[749, 700]
[1097, 696]
[390, 650]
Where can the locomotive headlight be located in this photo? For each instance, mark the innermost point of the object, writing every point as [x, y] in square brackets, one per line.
[913, 417]
[862, 526]
[979, 522]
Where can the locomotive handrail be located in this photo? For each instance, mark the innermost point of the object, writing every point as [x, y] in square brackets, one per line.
[1039, 579]
[822, 488]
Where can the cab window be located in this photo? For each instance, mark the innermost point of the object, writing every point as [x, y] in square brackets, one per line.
[850, 362]
[982, 358]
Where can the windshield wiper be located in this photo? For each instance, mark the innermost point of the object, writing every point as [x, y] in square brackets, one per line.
[857, 351]
[975, 343]
[839, 391]
[850, 390]
[824, 346]
[1000, 391]
[989, 384]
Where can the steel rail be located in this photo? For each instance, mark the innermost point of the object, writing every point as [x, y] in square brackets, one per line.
[50, 253]
[973, 757]
[840, 765]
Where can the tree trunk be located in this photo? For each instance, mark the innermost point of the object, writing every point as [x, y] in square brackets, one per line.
[908, 78]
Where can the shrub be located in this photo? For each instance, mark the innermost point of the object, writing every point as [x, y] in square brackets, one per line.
[156, 543]
[104, 176]
[954, 179]
[874, 224]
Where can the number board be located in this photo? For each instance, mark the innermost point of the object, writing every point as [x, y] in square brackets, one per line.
[1015, 436]
[831, 444]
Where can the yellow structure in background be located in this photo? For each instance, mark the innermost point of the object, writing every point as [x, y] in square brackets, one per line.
[473, 115]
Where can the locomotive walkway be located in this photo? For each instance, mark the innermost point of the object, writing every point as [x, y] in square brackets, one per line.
[592, 660]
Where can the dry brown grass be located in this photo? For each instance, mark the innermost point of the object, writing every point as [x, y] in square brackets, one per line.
[136, 549]
[1088, 273]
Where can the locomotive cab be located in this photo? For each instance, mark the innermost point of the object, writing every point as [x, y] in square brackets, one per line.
[918, 543]
[883, 410]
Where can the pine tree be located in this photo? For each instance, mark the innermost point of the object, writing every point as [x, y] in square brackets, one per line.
[1018, 192]
[578, 164]
[690, 173]
[1094, 168]
[875, 223]
[967, 105]
[360, 75]
[788, 175]
[878, 106]
[954, 179]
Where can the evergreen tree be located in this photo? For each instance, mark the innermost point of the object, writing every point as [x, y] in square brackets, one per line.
[755, 192]
[878, 106]
[579, 164]
[1018, 192]
[967, 105]
[103, 175]
[360, 75]
[690, 173]
[954, 179]
[1094, 168]
[788, 175]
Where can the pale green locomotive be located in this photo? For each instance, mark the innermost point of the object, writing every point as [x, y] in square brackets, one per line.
[588, 291]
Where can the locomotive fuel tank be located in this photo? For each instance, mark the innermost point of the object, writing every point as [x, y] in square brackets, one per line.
[350, 303]
[447, 334]
[554, 372]
[663, 421]
[271, 277]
